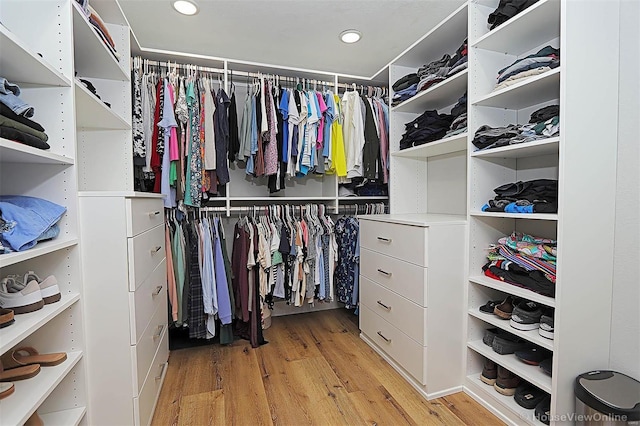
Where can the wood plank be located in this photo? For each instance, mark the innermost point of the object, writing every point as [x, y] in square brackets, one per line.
[378, 407]
[202, 409]
[168, 406]
[468, 411]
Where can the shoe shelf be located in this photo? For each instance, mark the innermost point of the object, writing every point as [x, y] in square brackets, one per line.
[30, 393]
[39, 250]
[531, 336]
[16, 152]
[438, 96]
[527, 30]
[440, 147]
[537, 148]
[22, 66]
[513, 290]
[491, 398]
[25, 324]
[530, 91]
[92, 57]
[531, 373]
[363, 198]
[535, 216]
[93, 114]
[64, 418]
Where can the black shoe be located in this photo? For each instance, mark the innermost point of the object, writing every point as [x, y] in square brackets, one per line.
[506, 343]
[546, 365]
[489, 334]
[488, 307]
[489, 372]
[526, 316]
[543, 410]
[533, 356]
[528, 396]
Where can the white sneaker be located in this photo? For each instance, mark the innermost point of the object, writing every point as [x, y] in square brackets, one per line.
[48, 287]
[20, 298]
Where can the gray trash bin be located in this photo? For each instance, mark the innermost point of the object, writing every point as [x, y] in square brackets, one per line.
[607, 398]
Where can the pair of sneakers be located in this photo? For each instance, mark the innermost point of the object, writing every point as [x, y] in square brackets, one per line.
[28, 293]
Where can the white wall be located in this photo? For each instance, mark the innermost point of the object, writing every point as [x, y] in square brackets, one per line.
[625, 324]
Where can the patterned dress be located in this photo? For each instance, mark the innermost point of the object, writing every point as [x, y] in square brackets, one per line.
[346, 231]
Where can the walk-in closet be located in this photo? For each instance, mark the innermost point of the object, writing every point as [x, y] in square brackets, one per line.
[329, 213]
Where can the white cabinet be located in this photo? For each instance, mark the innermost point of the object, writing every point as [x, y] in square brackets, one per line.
[126, 304]
[410, 311]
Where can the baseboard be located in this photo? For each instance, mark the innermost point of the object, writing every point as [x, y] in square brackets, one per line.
[408, 377]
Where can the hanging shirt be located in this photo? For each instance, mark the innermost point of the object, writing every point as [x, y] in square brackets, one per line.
[271, 147]
[221, 122]
[234, 140]
[222, 288]
[245, 131]
[169, 124]
[207, 275]
[353, 130]
[338, 156]
[284, 110]
[209, 129]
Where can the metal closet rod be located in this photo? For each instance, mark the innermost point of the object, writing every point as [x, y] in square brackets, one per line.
[345, 208]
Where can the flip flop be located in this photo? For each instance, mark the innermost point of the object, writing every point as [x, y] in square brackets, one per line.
[6, 389]
[19, 373]
[6, 317]
[27, 355]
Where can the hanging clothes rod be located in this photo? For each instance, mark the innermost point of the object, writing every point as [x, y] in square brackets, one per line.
[171, 65]
[345, 208]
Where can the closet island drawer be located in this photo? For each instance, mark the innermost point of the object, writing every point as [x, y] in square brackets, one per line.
[403, 242]
[146, 251]
[402, 277]
[144, 404]
[143, 353]
[405, 351]
[398, 311]
[143, 214]
[146, 300]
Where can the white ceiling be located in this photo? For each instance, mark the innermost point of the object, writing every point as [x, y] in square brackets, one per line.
[292, 33]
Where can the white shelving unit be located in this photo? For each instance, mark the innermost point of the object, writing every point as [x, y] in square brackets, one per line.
[94, 114]
[568, 26]
[37, 54]
[432, 149]
[437, 96]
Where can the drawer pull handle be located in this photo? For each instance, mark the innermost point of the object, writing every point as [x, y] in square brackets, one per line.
[152, 214]
[385, 273]
[388, 308]
[157, 335]
[162, 367]
[158, 290]
[386, 240]
[156, 249]
[385, 339]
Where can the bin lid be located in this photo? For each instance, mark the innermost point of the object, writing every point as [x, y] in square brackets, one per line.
[609, 392]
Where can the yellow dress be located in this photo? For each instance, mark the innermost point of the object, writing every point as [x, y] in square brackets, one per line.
[338, 158]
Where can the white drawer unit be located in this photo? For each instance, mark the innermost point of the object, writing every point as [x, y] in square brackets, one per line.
[123, 252]
[411, 309]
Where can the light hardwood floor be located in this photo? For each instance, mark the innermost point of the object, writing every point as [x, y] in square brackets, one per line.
[315, 370]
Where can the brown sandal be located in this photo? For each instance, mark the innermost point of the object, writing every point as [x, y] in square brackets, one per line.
[6, 317]
[19, 373]
[6, 389]
[27, 355]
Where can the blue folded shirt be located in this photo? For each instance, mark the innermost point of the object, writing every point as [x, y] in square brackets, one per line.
[26, 219]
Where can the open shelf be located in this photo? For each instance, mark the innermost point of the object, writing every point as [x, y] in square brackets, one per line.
[531, 336]
[431, 149]
[92, 113]
[357, 198]
[528, 149]
[92, 57]
[534, 216]
[530, 91]
[21, 66]
[513, 289]
[16, 152]
[25, 324]
[70, 417]
[490, 396]
[531, 373]
[438, 96]
[282, 198]
[30, 393]
[39, 250]
[527, 30]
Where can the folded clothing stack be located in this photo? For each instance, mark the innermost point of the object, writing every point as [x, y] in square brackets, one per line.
[430, 74]
[534, 196]
[540, 62]
[26, 220]
[543, 123]
[428, 127]
[459, 117]
[506, 10]
[99, 27]
[525, 261]
[15, 114]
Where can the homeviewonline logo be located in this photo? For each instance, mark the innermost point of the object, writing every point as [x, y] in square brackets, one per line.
[574, 417]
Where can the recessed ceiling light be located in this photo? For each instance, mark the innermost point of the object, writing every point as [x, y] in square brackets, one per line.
[350, 36]
[186, 7]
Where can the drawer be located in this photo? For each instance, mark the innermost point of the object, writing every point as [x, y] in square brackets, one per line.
[404, 242]
[146, 299]
[146, 251]
[142, 354]
[144, 405]
[395, 309]
[143, 214]
[404, 278]
[406, 352]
